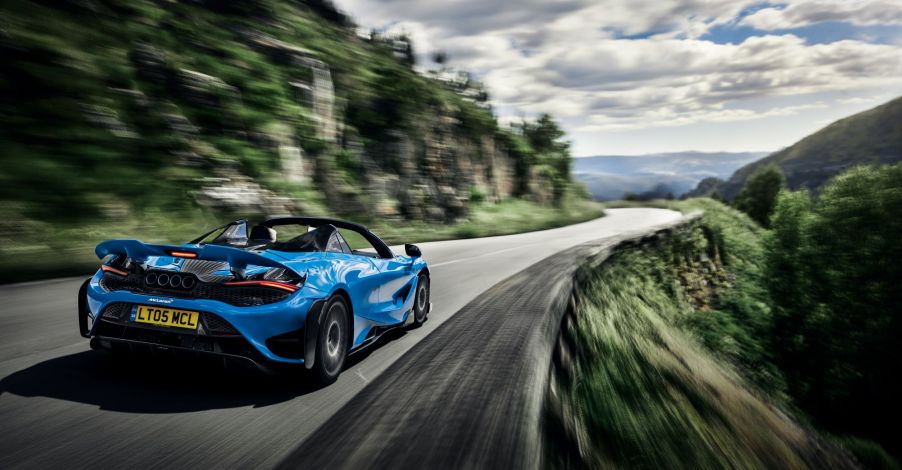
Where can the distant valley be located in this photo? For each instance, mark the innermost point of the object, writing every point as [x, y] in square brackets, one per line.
[655, 175]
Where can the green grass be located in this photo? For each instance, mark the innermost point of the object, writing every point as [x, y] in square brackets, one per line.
[870, 454]
[641, 393]
[39, 250]
[663, 365]
[485, 220]
[34, 249]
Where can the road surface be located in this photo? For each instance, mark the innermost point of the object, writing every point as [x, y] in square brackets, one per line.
[62, 405]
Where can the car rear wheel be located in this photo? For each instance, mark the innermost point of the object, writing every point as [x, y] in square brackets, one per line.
[333, 340]
[421, 301]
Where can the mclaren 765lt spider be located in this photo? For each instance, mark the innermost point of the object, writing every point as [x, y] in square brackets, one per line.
[288, 290]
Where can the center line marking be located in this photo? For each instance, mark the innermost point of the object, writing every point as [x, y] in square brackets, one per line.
[482, 255]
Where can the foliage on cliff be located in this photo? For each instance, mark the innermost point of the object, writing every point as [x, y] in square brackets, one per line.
[128, 104]
[158, 116]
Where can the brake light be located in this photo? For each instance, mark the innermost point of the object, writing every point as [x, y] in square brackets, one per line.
[109, 269]
[273, 284]
[183, 254]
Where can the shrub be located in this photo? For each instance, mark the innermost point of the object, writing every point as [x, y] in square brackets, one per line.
[476, 196]
[834, 272]
[758, 196]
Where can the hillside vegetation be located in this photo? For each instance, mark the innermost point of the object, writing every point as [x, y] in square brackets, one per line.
[834, 267]
[638, 385]
[154, 120]
[870, 137]
[729, 344]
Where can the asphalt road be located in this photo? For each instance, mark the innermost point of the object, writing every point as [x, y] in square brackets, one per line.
[62, 405]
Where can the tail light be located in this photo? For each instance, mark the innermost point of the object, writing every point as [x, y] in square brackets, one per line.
[109, 269]
[271, 284]
[121, 266]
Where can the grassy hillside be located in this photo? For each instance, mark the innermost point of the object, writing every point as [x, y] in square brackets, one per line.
[667, 361]
[870, 137]
[154, 120]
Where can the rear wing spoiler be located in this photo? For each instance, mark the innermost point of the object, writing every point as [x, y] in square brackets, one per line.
[237, 259]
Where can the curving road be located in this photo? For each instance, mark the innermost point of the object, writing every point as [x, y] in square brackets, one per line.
[62, 405]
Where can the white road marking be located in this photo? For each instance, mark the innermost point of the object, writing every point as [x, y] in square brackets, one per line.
[482, 255]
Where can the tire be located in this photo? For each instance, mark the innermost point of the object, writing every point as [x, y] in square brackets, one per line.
[421, 301]
[83, 309]
[332, 341]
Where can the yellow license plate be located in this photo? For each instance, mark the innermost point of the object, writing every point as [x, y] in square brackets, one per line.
[167, 317]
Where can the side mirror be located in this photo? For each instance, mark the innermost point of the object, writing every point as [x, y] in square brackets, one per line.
[412, 250]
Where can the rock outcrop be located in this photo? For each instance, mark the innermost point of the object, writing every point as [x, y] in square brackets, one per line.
[431, 172]
[266, 98]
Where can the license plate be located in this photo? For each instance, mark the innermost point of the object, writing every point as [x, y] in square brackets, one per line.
[167, 317]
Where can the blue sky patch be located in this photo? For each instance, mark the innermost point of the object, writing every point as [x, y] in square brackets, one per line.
[819, 33]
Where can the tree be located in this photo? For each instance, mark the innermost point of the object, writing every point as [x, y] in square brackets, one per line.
[326, 9]
[522, 155]
[759, 194]
[440, 58]
[545, 137]
[788, 281]
[833, 270]
[856, 270]
[407, 54]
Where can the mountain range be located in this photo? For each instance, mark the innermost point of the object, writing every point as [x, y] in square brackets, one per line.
[655, 175]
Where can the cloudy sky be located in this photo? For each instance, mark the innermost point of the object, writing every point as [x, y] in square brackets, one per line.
[641, 76]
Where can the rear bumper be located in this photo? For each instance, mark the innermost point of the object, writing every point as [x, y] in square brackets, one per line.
[161, 340]
[176, 352]
[276, 333]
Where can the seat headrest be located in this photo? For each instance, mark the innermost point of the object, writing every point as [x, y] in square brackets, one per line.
[260, 233]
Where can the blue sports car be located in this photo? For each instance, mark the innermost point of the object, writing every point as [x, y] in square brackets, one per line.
[288, 290]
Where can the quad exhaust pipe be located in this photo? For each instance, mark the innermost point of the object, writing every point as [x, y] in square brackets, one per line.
[170, 281]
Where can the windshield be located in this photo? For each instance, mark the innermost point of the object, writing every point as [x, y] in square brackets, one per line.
[230, 234]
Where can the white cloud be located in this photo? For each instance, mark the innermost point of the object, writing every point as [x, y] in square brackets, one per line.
[860, 100]
[601, 123]
[807, 12]
[621, 65]
[654, 82]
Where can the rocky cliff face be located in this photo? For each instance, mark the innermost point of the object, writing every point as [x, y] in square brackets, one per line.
[429, 171]
[260, 106]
